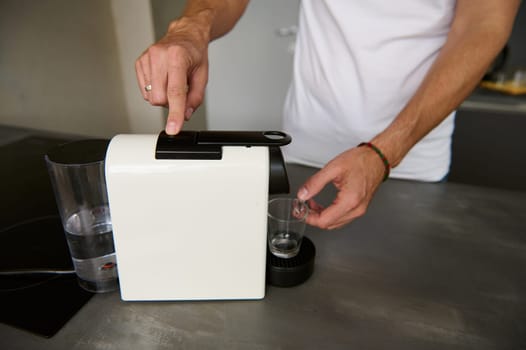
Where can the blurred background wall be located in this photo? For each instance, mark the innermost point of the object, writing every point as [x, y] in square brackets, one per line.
[67, 66]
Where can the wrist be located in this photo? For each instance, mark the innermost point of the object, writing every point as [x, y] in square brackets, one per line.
[380, 155]
[198, 23]
[394, 149]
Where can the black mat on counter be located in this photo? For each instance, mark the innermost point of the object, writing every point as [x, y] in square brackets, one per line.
[33, 239]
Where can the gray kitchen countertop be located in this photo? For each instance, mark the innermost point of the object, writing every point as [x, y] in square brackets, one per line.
[430, 266]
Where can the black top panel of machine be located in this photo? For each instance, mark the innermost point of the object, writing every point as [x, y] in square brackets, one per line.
[207, 144]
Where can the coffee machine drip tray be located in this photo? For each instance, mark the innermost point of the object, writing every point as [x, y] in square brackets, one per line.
[293, 271]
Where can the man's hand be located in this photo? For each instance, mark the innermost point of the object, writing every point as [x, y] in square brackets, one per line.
[356, 174]
[174, 71]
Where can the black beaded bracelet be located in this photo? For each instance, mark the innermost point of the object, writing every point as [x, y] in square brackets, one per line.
[384, 159]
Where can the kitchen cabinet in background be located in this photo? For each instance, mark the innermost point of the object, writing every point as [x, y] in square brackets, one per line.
[488, 143]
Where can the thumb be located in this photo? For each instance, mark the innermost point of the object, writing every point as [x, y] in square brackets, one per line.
[315, 184]
[196, 93]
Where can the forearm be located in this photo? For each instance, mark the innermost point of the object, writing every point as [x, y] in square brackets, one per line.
[479, 31]
[213, 18]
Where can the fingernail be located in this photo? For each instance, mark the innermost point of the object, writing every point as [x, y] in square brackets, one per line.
[303, 193]
[171, 127]
[188, 113]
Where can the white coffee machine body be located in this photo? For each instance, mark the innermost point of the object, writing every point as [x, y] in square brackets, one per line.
[186, 228]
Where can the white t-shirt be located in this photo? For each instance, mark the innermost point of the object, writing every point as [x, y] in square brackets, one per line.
[356, 65]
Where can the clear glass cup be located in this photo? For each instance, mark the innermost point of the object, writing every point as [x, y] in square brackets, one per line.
[286, 226]
[76, 170]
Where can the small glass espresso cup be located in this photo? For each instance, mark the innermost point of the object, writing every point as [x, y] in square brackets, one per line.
[286, 226]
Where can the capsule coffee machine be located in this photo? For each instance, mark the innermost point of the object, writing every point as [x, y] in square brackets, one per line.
[189, 212]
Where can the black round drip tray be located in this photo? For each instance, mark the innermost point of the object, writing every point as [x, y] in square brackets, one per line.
[292, 271]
